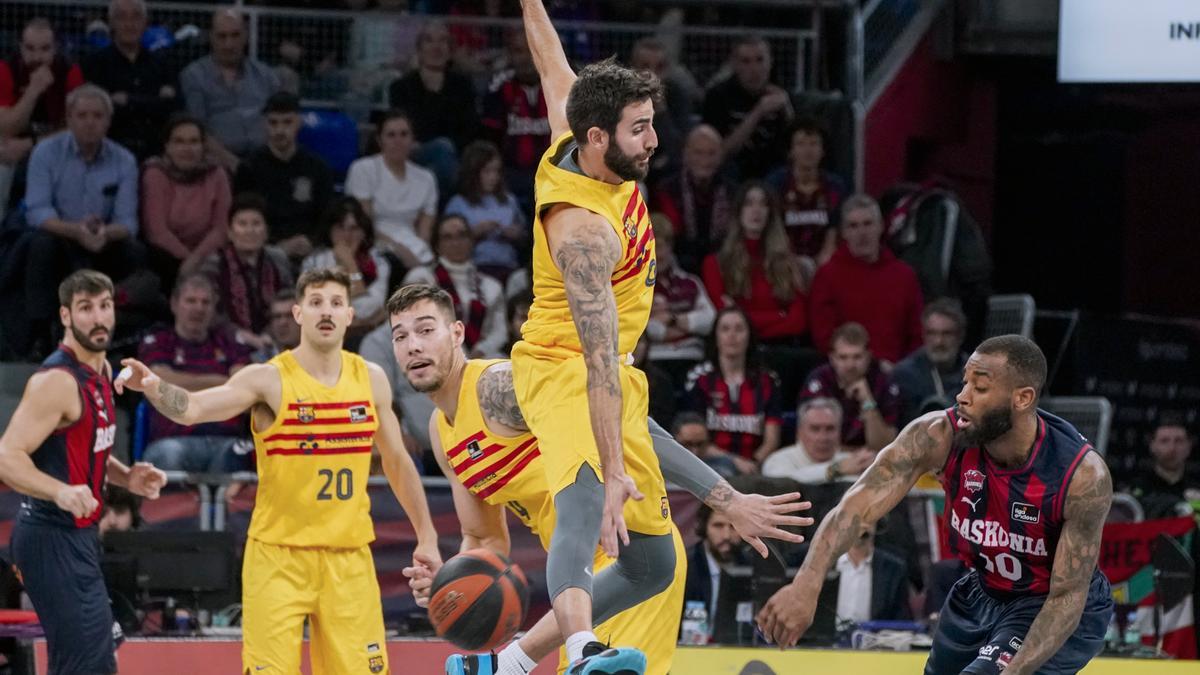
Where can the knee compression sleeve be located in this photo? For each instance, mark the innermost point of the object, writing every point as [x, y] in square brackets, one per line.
[579, 506]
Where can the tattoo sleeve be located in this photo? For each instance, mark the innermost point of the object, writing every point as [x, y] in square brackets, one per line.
[1088, 500]
[172, 401]
[498, 399]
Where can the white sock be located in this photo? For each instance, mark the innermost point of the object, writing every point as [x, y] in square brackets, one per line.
[576, 642]
[514, 661]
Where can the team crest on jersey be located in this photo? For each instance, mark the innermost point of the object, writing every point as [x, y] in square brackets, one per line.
[474, 451]
[973, 480]
[1025, 513]
[358, 413]
[630, 228]
[376, 664]
[665, 506]
[652, 273]
[306, 414]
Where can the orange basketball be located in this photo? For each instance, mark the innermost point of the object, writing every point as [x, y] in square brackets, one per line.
[478, 600]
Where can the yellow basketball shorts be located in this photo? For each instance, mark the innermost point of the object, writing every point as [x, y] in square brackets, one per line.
[335, 589]
[551, 388]
[652, 626]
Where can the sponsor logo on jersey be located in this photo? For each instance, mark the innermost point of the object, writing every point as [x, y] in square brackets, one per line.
[973, 480]
[306, 414]
[1025, 513]
[474, 451]
[651, 275]
[104, 438]
[358, 413]
[974, 503]
[665, 507]
[372, 647]
[991, 534]
[986, 651]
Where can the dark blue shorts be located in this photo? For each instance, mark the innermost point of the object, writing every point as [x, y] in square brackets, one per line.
[978, 633]
[60, 568]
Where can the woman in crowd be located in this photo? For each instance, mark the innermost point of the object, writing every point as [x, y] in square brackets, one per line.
[349, 243]
[682, 315]
[483, 200]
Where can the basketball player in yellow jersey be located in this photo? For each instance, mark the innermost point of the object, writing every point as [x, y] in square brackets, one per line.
[316, 412]
[484, 447]
[593, 284]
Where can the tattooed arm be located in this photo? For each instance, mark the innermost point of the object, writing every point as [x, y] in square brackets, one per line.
[1088, 500]
[251, 385]
[498, 399]
[922, 446]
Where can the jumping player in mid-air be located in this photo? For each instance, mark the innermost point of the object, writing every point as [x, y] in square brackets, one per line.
[593, 286]
[1026, 499]
[483, 445]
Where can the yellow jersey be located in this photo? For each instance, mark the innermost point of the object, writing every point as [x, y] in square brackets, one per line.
[550, 323]
[500, 470]
[314, 459]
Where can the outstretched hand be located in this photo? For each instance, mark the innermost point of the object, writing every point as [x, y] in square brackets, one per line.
[756, 516]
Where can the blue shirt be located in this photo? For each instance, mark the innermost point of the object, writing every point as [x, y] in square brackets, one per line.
[61, 184]
[231, 112]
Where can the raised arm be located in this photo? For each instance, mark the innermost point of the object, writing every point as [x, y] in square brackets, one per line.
[1088, 500]
[253, 384]
[923, 446]
[551, 62]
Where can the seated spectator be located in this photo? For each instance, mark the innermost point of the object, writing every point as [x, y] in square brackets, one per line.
[673, 114]
[719, 546]
[756, 271]
[864, 282]
[141, 83]
[441, 104]
[196, 353]
[870, 400]
[81, 202]
[658, 382]
[185, 202]
[248, 272]
[931, 377]
[1166, 487]
[696, 198]
[349, 243]
[738, 396]
[691, 432]
[283, 332]
[478, 298]
[34, 84]
[811, 196]
[400, 196]
[682, 315]
[517, 311]
[514, 112]
[122, 511]
[483, 200]
[748, 111]
[227, 90]
[817, 456]
[872, 583]
[296, 182]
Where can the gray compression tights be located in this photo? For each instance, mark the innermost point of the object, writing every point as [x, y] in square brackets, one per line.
[643, 569]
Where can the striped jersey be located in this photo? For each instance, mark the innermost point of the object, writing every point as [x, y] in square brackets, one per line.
[314, 459]
[1003, 522]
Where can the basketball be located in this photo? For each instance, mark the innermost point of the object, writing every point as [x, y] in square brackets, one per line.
[478, 600]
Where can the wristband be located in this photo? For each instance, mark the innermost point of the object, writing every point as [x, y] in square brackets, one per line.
[868, 406]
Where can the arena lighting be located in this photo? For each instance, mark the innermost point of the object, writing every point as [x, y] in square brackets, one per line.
[1124, 41]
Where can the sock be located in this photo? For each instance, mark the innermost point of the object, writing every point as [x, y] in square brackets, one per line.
[514, 661]
[576, 642]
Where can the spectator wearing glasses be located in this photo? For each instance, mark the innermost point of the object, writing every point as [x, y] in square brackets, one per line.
[691, 432]
[931, 377]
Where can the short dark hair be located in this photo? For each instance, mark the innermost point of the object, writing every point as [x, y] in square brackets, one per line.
[949, 308]
[748, 39]
[475, 157]
[322, 275]
[600, 93]
[337, 211]
[1170, 418]
[88, 282]
[281, 102]
[391, 116]
[852, 333]
[522, 298]
[435, 237]
[120, 499]
[407, 296]
[248, 201]
[685, 418]
[1024, 359]
[806, 125]
[182, 119]
[194, 279]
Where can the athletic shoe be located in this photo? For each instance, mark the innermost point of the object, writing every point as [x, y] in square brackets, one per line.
[472, 664]
[600, 659]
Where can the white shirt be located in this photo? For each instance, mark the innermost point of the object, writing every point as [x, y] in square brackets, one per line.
[714, 579]
[493, 332]
[854, 589]
[795, 463]
[395, 204]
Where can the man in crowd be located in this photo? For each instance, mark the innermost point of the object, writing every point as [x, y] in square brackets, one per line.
[817, 455]
[931, 377]
[719, 546]
[1167, 485]
[750, 112]
[870, 400]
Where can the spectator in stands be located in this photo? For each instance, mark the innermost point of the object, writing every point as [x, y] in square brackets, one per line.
[1169, 483]
[719, 546]
[82, 203]
[870, 400]
[682, 315]
[282, 332]
[441, 104]
[865, 283]
[227, 90]
[755, 269]
[749, 112]
[196, 353]
[349, 243]
[673, 114]
[185, 202]
[517, 311]
[696, 198]
[738, 396]
[478, 298]
[817, 455]
[490, 209]
[931, 377]
[296, 182]
[400, 196]
[811, 196]
[248, 272]
[691, 432]
[122, 511]
[658, 382]
[141, 83]
[514, 111]
[34, 84]
[872, 583]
